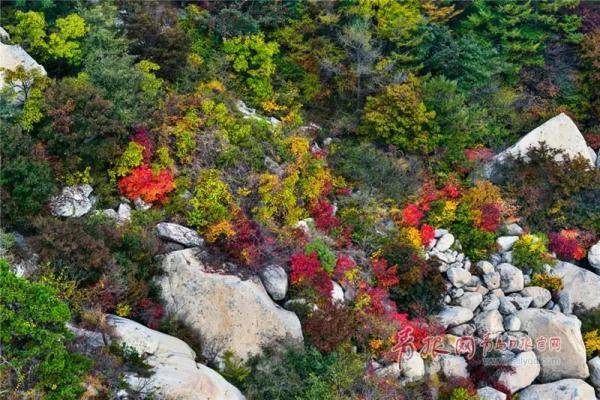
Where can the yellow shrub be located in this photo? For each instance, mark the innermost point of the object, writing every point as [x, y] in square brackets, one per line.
[592, 343]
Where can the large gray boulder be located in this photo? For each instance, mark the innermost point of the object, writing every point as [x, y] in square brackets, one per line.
[570, 360]
[73, 201]
[176, 374]
[225, 312]
[566, 389]
[558, 133]
[581, 288]
[179, 234]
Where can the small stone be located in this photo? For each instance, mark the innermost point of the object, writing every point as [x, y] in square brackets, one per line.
[445, 242]
[512, 323]
[275, 281]
[496, 259]
[140, 204]
[458, 276]
[485, 267]
[453, 367]
[489, 322]
[492, 280]
[462, 330]
[594, 257]
[456, 293]
[452, 316]
[337, 293]
[489, 393]
[498, 292]
[413, 368]
[73, 201]
[519, 301]
[539, 296]
[513, 230]
[594, 366]
[124, 211]
[507, 257]
[506, 307]
[470, 300]
[490, 302]
[511, 278]
[179, 234]
[505, 243]
[438, 233]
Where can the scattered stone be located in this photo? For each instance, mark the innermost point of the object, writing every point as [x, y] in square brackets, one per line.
[456, 293]
[512, 323]
[391, 371]
[566, 389]
[73, 201]
[505, 243]
[179, 234]
[513, 229]
[485, 267]
[506, 307]
[275, 280]
[452, 316]
[176, 376]
[507, 257]
[511, 278]
[580, 287]
[490, 302]
[570, 361]
[413, 368]
[124, 211]
[539, 296]
[453, 367]
[458, 276]
[492, 280]
[498, 293]
[444, 242]
[594, 367]
[488, 322]
[520, 302]
[337, 293]
[140, 204]
[526, 368]
[496, 259]
[489, 393]
[438, 233]
[225, 312]
[463, 330]
[470, 300]
[594, 257]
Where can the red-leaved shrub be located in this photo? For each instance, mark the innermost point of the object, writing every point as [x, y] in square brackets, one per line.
[412, 215]
[427, 234]
[386, 276]
[490, 217]
[141, 137]
[306, 269]
[146, 184]
[322, 212]
[570, 244]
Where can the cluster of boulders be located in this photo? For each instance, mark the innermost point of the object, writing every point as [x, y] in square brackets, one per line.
[493, 301]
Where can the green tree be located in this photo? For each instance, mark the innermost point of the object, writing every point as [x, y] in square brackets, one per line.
[34, 340]
[521, 28]
[398, 116]
[62, 43]
[252, 58]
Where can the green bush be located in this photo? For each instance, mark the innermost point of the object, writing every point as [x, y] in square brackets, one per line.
[34, 341]
[326, 256]
[304, 375]
[530, 251]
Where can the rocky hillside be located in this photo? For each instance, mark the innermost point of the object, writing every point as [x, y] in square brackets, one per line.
[267, 200]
